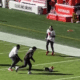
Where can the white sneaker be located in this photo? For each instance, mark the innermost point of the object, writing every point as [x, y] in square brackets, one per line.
[16, 68]
[29, 72]
[10, 69]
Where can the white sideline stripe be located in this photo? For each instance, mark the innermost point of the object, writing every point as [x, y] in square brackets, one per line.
[51, 63]
[3, 69]
[23, 51]
[18, 51]
[57, 62]
[39, 44]
[1, 53]
[67, 78]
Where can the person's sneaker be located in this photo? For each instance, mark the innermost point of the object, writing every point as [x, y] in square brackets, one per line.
[47, 52]
[29, 72]
[16, 68]
[53, 53]
[10, 69]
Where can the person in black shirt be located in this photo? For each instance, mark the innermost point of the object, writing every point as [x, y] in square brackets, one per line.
[27, 58]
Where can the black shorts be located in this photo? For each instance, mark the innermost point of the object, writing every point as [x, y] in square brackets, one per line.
[14, 59]
[51, 42]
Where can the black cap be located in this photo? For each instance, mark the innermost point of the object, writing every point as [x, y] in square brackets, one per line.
[18, 46]
[34, 48]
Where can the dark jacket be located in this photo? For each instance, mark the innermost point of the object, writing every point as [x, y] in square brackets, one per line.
[29, 55]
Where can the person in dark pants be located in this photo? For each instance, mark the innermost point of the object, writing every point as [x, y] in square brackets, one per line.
[13, 55]
[50, 39]
[27, 58]
[48, 6]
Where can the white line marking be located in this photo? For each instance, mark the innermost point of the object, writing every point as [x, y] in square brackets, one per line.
[3, 69]
[63, 49]
[51, 63]
[18, 51]
[68, 78]
[56, 62]
[1, 53]
[22, 51]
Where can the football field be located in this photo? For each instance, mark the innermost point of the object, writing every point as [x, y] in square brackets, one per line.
[65, 67]
[34, 26]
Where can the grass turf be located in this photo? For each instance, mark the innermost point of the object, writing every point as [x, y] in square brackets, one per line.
[35, 26]
[66, 67]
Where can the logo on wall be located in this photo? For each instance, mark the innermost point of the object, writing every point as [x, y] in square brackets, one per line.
[23, 7]
[63, 10]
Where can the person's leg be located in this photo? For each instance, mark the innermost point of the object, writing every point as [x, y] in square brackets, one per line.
[13, 64]
[30, 66]
[52, 47]
[25, 64]
[47, 43]
[15, 61]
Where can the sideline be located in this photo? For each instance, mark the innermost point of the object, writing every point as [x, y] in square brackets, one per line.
[68, 78]
[37, 31]
[39, 44]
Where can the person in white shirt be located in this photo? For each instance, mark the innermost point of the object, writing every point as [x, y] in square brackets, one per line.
[13, 55]
[50, 39]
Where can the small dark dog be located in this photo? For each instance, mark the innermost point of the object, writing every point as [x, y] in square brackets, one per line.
[50, 69]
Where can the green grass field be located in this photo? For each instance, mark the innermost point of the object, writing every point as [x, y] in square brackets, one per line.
[64, 66]
[34, 26]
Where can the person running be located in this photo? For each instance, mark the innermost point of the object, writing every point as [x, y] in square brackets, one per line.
[28, 56]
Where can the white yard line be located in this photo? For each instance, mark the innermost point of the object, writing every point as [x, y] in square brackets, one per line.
[39, 44]
[1, 53]
[51, 63]
[18, 51]
[68, 78]
[57, 62]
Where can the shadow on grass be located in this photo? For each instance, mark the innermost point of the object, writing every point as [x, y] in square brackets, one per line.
[34, 70]
[69, 56]
[47, 73]
[6, 65]
[44, 72]
[3, 21]
[62, 55]
[50, 73]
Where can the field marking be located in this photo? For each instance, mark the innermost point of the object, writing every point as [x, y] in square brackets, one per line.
[51, 63]
[22, 51]
[67, 78]
[18, 27]
[18, 51]
[63, 49]
[3, 69]
[1, 53]
[56, 62]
